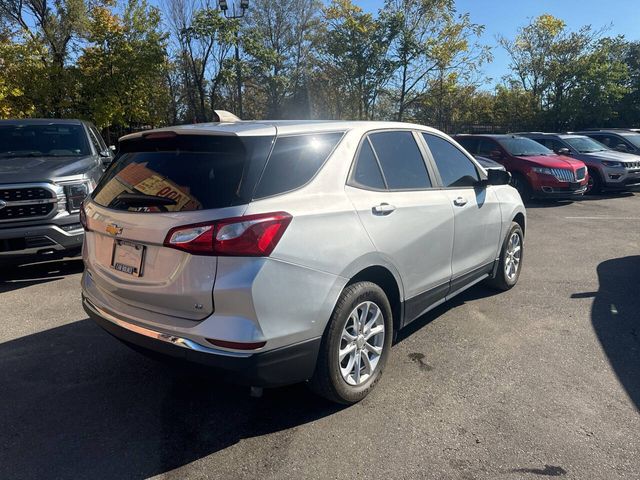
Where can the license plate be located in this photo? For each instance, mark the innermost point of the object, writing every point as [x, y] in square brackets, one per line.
[128, 257]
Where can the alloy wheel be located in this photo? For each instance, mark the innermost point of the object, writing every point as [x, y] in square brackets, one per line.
[513, 256]
[361, 344]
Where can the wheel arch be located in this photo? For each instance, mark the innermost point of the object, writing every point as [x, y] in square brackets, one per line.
[385, 279]
[519, 218]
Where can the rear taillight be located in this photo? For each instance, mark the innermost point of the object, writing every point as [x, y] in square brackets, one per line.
[249, 236]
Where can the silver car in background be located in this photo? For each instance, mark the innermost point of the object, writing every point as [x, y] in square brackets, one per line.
[608, 169]
[283, 252]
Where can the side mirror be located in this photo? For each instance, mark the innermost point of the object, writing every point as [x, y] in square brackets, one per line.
[498, 177]
[563, 151]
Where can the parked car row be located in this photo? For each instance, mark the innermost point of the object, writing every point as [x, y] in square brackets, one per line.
[568, 165]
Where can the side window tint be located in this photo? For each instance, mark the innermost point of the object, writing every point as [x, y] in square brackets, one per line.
[455, 168]
[103, 146]
[367, 172]
[485, 147]
[294, 161]
[401, 160]
[95, 142]
[470, 144]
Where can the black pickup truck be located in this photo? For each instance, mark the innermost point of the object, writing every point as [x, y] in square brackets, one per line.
[47, 168]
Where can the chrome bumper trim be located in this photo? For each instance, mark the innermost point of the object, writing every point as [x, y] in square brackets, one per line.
[163, 337]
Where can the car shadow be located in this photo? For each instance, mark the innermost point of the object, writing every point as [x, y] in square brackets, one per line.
[543, 203]
[615, 316]
[78, 404]
[15, 277]
[474, 293]
[606, 195]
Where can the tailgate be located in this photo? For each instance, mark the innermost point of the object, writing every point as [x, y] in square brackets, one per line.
[125, 255]
[160, 181]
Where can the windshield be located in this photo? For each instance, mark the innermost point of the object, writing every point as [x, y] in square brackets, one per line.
[633, 138]
[24, 140]
[521, 146]
[585, 144]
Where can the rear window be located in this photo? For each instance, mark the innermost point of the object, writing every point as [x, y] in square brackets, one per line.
[193, 172]
[294, 161]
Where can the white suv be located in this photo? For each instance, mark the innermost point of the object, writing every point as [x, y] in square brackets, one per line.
[283, 252]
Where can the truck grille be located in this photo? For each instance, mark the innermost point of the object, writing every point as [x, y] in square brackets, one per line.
[563, 175]
[581, 173]
[632, 165]
[27, 202]
[26, 211]
[25, 193]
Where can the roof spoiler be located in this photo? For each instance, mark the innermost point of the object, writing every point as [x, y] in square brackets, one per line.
[224, 116]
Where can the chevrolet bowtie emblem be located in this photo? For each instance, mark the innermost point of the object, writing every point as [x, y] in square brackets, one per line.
[114, 229]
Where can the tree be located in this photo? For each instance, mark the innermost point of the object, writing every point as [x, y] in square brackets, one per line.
[603, 83]
[354, 60]
[21, 80]
[433, 46]
[122, 71]
[204, 39]
[630, 103]
[548, 61]
[278, 42]
[56, 26]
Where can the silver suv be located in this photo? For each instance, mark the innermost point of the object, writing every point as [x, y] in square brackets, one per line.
[283, 252]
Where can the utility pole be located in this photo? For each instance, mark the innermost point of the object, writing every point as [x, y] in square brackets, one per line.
[223, 5]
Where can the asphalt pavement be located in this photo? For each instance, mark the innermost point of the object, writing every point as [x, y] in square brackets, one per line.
[541, 381]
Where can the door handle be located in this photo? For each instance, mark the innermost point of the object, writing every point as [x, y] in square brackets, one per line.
[383, 209]
[460, 201]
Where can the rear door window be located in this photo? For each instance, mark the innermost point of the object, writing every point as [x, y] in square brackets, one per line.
[401, 160]
[193, 172]
[295, 160]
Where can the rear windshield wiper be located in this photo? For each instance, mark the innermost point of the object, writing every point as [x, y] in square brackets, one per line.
[142, 200]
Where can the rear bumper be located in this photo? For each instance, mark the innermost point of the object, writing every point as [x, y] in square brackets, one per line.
[282, 366]
[41, 241]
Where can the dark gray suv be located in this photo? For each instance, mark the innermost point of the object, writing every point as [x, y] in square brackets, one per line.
[47, 168]
[608, 169]
[622, 140]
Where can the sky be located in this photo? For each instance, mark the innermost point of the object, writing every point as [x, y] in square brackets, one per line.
[503, 17]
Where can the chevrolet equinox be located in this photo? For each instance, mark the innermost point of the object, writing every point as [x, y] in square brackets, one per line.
[284, 252]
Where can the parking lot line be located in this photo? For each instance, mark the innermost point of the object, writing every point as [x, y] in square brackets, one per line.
[603, 217]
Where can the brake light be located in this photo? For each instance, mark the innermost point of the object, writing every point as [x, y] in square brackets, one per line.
[249, 236]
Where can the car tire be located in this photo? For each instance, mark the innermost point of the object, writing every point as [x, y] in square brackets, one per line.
[503, 280]
[594, 185]
[520, 183]
[342, 380]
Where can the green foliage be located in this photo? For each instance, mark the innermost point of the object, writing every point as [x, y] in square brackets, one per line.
[125, 66]
[122, 70]
[354, 57]
[433, 46]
